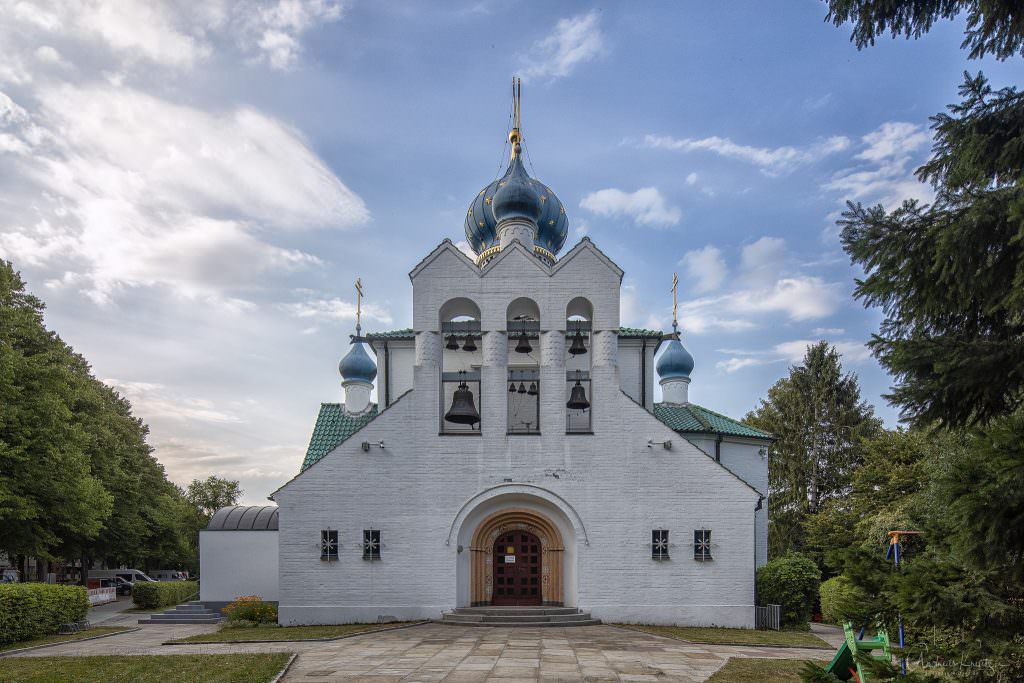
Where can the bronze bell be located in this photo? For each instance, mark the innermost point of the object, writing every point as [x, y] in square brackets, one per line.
[463, 411]
[522, 388]
[532, 391]
[577, 347]
[523, 345]
[469, 344]
[452, 344]
[512, 388]
[578, 398]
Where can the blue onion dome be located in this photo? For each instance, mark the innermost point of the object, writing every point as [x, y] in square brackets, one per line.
[676, 362]
[357, 365]
[516, 194]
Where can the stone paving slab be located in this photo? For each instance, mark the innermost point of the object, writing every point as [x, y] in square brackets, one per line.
[435, 653]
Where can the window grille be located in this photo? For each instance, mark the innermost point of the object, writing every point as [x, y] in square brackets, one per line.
[329, 544]
[659, 544]
[702, 545]
[371, 544]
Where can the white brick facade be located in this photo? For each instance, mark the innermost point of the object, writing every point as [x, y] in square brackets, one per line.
[604, 491]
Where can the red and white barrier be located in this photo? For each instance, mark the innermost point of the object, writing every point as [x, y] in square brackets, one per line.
[100, 596]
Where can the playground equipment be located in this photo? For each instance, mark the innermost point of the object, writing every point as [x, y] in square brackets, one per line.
[844, 664]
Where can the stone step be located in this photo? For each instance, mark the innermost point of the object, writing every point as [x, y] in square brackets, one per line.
[515, 611]
[191, 608]
[525, 618]
[523, 624]
[173, 619]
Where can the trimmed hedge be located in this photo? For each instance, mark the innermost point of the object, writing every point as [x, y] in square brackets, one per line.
[154, 594]
[841, 600]
[29, 610]
[792, 582]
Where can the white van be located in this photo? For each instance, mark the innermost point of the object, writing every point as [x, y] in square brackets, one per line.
[168, 575]
[129, 575]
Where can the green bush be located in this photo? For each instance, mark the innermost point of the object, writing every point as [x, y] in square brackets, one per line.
[251, 609]
[154, 594]
[841, 601]
[792, 582]
[28, 610]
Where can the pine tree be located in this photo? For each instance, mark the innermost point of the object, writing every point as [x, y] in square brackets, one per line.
[818, 417]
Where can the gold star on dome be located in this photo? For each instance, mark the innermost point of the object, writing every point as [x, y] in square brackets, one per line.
[480, 223]
[543, 198]
[488, 200]
[551, 222]
[470, 212]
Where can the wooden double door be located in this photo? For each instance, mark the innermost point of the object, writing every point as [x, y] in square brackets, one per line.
[517, 570]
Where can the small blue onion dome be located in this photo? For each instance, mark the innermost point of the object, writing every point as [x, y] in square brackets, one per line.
[357, 365]
[484, 213]
[676, 362]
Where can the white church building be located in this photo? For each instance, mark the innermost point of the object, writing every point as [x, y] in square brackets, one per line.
[515, 456]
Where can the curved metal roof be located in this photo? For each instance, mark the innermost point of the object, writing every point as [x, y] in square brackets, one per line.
[244, 518]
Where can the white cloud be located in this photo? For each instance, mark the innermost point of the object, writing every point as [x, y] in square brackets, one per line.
[731, 365]
[762, 261]
[887, 176]
[691, 179]
[575, 41]
[336, 309]
[645, 206]
[155, 401]
[771, 160]
[276, 29]
[827, 331]
[132, 190]
[705, 268]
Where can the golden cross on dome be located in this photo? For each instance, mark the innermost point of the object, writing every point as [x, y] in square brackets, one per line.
[675, 305]
[514, 136]
[359, 304]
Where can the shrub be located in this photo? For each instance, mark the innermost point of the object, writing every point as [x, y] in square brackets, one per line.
[792, 582]
[251, 609]
[154, 594]
[28, 610]
[841, 601]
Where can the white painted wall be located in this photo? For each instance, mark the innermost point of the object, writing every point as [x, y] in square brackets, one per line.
[423, 491]
[236, 563]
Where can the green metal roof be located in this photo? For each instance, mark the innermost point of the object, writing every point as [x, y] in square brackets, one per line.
[333, 427]
[639, 332]
[695, 419]
[407, 333]
[628, 332]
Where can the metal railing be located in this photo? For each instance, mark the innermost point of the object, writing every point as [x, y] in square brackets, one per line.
[768, 617]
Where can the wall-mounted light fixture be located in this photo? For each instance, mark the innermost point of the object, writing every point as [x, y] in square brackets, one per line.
[763, 452]
[366, 445]
[667, 445]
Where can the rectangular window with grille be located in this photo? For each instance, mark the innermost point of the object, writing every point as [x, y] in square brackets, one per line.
[329, 544]
[702, 545]
[659, 544]
[371, 544]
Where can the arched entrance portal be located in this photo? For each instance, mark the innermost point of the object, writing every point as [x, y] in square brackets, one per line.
[517, 569]
[515, 525]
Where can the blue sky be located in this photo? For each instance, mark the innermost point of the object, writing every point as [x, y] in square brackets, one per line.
[193, 188]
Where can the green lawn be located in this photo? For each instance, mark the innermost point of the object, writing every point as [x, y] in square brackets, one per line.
[734, 636]
[241, 635]
[44, 640]
[738, 670]
[143, 669]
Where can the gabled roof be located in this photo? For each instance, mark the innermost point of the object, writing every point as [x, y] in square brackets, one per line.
[333, 427]
[694, 419]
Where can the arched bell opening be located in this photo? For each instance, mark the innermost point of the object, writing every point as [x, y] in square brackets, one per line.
[579, 314]
[461, 358]
[523, 329]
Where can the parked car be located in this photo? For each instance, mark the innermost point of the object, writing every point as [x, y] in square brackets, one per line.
[123, 587]
[168, 575]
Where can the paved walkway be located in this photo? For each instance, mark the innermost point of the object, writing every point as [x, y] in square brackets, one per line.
[455, 654]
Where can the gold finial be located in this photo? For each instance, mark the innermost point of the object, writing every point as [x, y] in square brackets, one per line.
[514, 136]
[359, 305]
[675, 305]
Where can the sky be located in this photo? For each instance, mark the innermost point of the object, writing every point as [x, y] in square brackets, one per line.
[193, 187]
